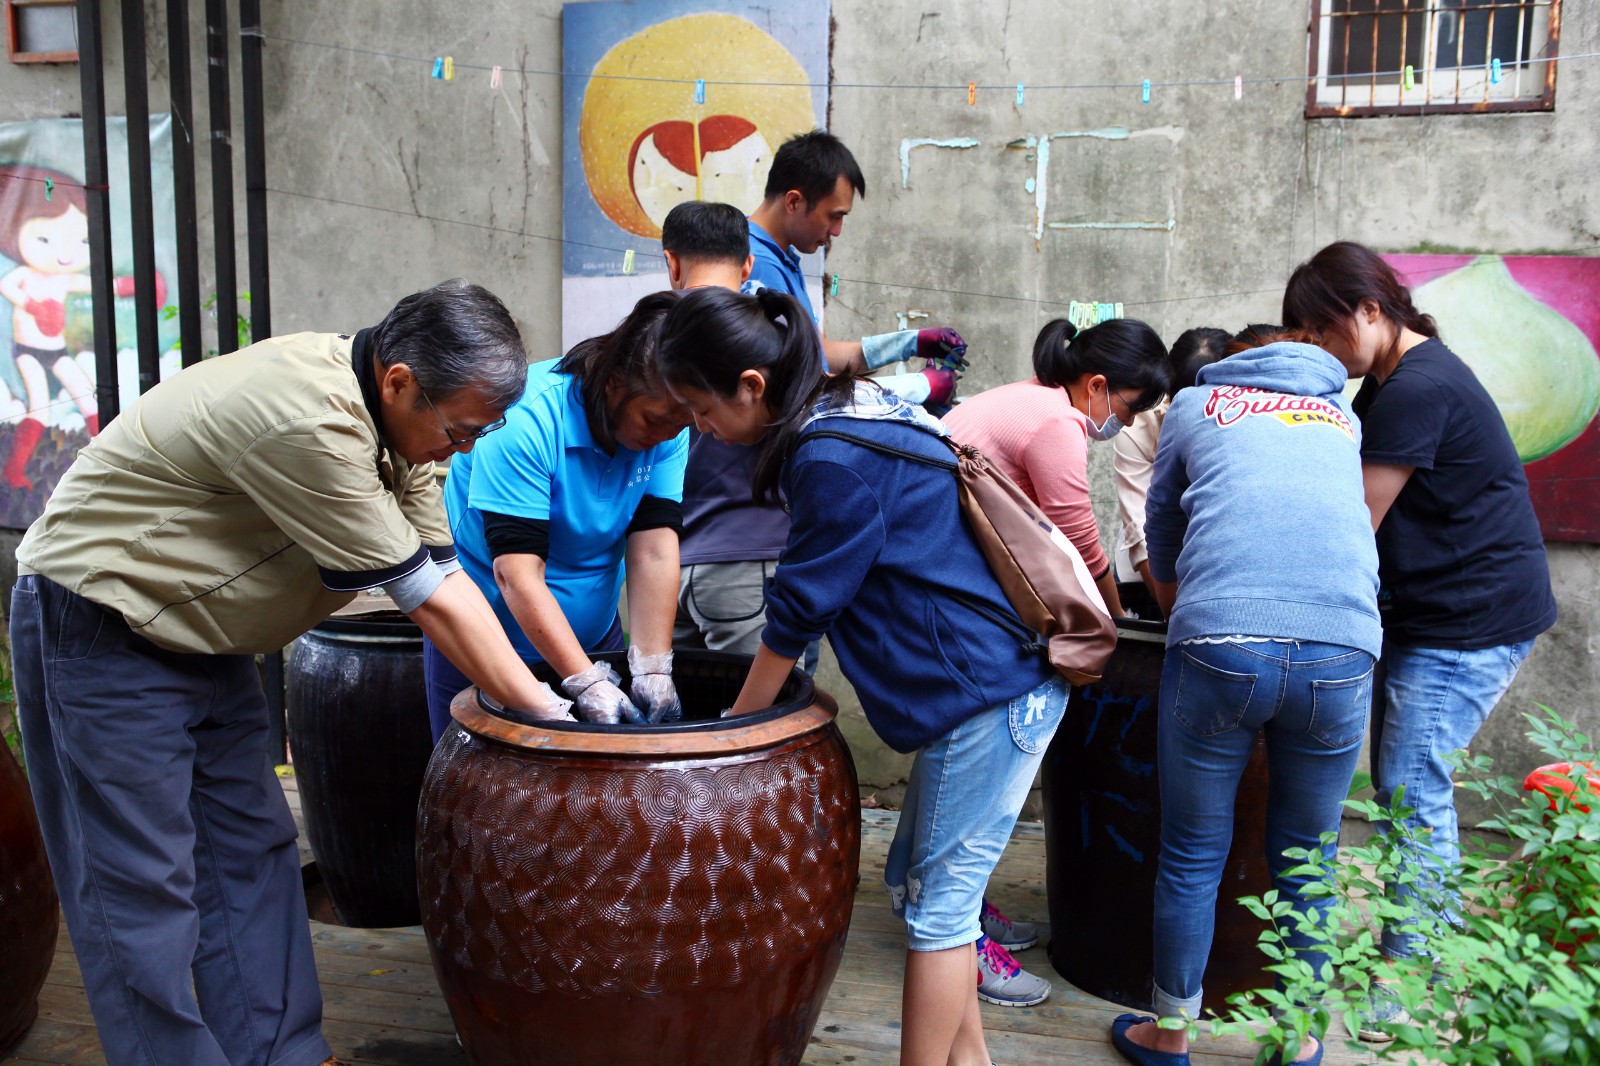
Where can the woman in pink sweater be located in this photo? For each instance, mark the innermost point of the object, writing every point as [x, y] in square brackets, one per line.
[1085, 385]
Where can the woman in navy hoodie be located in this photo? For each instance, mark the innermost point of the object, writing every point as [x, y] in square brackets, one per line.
[1263, 560]
[879, 559]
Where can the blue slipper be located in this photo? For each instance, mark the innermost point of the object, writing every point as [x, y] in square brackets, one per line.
[1142, 1056]
[1277, 1060]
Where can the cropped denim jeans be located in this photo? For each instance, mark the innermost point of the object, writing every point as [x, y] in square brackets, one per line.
[1312, 700]
[962, 800]
[1433, 702]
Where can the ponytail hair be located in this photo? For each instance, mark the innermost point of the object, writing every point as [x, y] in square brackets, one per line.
[1325, 292]
[1194, 350]
[1125, 350]
[714, 335]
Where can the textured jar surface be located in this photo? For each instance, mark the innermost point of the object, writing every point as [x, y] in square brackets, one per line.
[588, 908]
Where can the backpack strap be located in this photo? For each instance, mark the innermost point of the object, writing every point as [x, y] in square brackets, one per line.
[886, 449]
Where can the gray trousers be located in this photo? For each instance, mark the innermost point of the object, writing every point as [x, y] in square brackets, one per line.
[723, 607]
[170, 840]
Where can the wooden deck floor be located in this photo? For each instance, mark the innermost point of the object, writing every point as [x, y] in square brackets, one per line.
[382, 1008]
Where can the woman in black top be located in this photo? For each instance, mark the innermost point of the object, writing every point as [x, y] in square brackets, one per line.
[1465, 585]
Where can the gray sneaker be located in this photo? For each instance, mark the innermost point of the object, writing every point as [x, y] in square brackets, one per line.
[1002, 980]
[1013, 936]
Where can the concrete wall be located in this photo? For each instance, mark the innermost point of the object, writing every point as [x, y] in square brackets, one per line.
[432, 179]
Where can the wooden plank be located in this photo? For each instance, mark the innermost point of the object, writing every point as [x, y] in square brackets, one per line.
[382, 1006]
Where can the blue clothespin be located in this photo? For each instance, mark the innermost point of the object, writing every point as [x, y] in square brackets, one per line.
[49, 189]
[1494, 72]
[438, 67]
[1019, 94]
[699, 90]
[1144, 96]
[833, 285]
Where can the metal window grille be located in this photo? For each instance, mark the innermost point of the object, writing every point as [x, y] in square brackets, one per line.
[1462, 55]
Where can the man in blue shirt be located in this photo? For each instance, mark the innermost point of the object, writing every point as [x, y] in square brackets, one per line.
[811, 187]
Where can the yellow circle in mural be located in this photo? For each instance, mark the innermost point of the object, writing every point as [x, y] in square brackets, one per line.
[647, 146]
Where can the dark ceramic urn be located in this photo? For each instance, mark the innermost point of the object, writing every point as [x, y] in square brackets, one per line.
[358, 727]
[1102, 814]
[673, 894]
[28, 916]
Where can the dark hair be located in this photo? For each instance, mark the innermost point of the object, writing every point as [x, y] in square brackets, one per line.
[1326, 290]
[709, 232]
[714, 335]
[1194, 348]
[1125, 350]
[24, 196]
[812, 163]
[1261, 334]
[626, 355]
[455, 336]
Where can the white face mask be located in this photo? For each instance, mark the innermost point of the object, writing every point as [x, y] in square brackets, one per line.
[1107, 429]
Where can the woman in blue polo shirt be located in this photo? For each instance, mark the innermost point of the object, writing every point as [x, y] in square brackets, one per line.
[584, 485]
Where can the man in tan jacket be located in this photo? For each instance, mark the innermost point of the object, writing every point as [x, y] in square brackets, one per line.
[224, 513]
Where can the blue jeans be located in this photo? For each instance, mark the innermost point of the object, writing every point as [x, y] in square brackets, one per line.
[169, 837]
[1433, 703]
[444, 682]
[1312, 700]
[962, 800]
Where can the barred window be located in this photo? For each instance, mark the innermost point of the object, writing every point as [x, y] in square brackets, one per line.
[1411, 57]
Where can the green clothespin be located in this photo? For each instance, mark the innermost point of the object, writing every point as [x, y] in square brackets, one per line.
[627, 261]
[49, 189]
[833, 285]
[1410, 77]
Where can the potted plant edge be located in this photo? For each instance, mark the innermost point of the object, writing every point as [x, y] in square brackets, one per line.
[1513, 974]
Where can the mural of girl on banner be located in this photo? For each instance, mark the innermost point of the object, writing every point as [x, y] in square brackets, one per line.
[47, 376]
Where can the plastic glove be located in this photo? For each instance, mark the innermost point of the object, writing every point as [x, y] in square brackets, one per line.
[599, 699]
[49, 315]
[941, 347]
[932, 387]
[555, 709]
[652, 686]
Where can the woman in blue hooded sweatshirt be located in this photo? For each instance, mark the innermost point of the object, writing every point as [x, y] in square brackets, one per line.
[1263, 559]
[880, 560]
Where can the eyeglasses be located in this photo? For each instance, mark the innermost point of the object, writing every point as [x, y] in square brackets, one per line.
[449, 433]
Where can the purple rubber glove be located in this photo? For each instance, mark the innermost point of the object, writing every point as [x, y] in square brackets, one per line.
[943, 348]
[931, 387]
[652, 686]
[599, 698]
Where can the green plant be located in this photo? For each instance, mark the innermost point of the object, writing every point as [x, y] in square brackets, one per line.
[8, 704]
[241, 327]
[1515, 970]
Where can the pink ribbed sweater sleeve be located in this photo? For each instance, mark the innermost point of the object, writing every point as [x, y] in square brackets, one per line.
[1037, 438]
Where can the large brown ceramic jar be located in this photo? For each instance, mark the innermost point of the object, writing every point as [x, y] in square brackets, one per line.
[1102, 813]
[27, 905]
[671, 894]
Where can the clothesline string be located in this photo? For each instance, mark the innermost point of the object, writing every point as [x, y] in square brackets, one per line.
[1010, 87]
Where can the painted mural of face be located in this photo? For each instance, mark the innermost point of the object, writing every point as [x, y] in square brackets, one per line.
[725, 154]
[56, 245]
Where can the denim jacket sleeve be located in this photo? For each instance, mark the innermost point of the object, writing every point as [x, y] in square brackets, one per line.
[835, 537]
